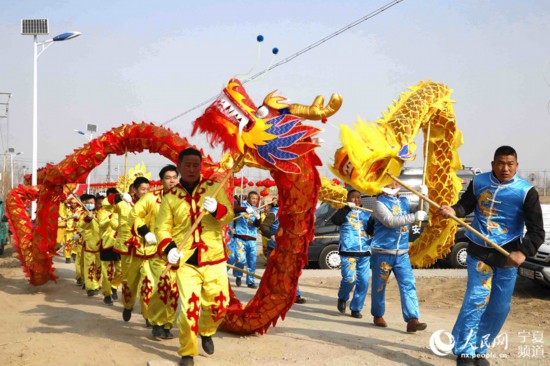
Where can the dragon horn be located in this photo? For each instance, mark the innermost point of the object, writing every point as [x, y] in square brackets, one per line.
[317, 111]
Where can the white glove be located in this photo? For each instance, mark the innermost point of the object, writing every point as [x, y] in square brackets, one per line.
[76, 236]
[210, 204]
[420, 215]
[59, 219]
[249, 210]
[351, 205]
[272, 237]
[174, 256]
[424, 190]
[126, 198]
[75, 216]
[150, 238]
[257, 215]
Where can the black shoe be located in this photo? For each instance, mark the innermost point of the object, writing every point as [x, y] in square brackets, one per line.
[114, 294]
[481, 361]
[187, 361]
[127, 314]
[147, 324]
[79, 282]
[166, 334]
[252, 285]
[300, 300]
[108, 301]
[341, 306]
[91, 292]
[356, 314]
[238, 281]
[208, 345]
[67, 260]
[464, 360]
[73, 256]
[157, 331]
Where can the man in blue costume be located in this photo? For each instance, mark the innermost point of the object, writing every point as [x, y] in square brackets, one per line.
[503, 205]
[390, 247]
[354, 250]
[243, 245]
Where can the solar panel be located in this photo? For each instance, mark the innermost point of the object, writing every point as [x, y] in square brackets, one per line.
[34, 26]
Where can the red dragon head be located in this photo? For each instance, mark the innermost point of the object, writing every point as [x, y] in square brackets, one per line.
[273, 131]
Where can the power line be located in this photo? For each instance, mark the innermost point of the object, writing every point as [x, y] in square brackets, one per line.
[293, 56]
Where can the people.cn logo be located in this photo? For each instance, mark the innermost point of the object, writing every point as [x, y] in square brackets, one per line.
[439, 346]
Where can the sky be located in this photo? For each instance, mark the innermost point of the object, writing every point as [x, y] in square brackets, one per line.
[144, 61]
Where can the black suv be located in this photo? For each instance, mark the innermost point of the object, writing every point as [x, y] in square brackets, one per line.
[323, 250]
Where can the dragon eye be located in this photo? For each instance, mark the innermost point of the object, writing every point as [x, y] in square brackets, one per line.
[262, 112]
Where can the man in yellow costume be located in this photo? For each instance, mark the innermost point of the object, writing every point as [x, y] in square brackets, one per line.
[69, 208]
[162, 302]
[202, 275]
[111, 268]
[64, 214]
[89, 229]
[133, 253]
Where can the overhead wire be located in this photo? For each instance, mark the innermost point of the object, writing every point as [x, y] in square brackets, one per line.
[293, 56]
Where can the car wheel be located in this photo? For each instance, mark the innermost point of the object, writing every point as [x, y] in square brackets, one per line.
[457, 258]
[329, 257]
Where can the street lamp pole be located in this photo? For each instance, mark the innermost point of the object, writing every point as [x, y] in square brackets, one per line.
[37, 27]
[90, 136]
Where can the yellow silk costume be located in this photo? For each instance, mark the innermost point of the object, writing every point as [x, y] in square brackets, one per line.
[70, 230]
[111, 270]
[89, 229]
[203, 289]
[162, 301]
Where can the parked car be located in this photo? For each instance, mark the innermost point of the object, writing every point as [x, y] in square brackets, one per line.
[537, 267]
[323, 250]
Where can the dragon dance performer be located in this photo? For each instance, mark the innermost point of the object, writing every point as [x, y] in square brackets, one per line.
[202, 275]
[111, 267]
[64, 214]
[3, 227]
[77, 245]
[69, 206]
[243, 246]
[127, 246]
[503, 204]
[162, 300]
[268, 228]
[89, 229]
[354, 250]
[390, 247]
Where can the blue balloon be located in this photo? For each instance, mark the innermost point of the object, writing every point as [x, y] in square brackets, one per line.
[275, 50]
[260, 38]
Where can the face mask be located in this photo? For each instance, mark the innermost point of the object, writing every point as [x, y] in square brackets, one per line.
[90, 206]
[390, 191]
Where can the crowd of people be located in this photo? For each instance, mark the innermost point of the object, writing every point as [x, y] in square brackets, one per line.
[147, 242]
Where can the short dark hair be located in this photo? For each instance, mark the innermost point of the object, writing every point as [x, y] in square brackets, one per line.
[111, 191]
[86, 197]
[352, 191]
[99, 196]
[187, 152]
[168, 168]
[251, 193]
[139, 181]
[504, 151]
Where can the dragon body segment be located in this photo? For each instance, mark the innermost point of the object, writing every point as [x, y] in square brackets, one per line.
[371, 152]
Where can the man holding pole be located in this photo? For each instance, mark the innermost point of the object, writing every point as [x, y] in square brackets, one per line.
[202, 275]
[503, 204]
[390, 247]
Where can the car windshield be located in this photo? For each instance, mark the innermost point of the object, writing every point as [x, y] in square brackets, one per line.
[322, 211]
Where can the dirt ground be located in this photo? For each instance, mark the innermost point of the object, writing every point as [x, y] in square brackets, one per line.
[57, 324]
